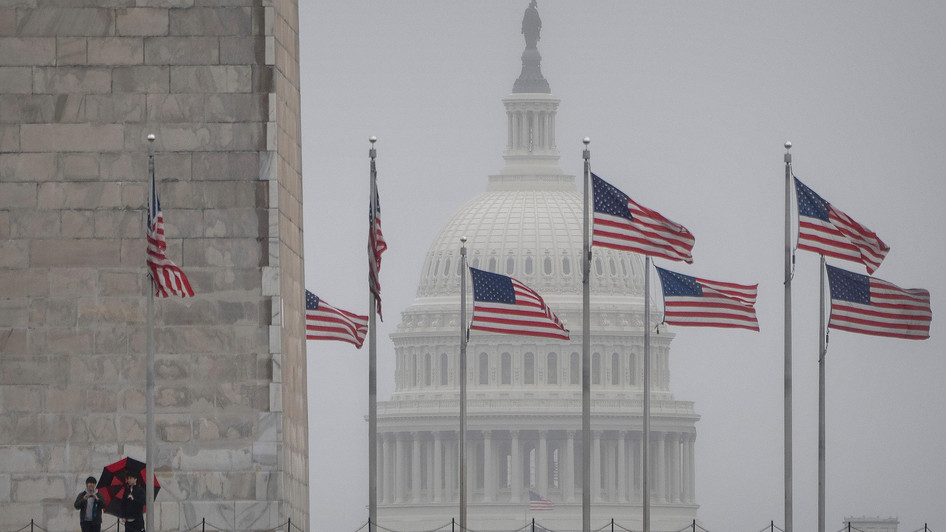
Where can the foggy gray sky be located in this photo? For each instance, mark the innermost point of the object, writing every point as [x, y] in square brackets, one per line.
[688, 106]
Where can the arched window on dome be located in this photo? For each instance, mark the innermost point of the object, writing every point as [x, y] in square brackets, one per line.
[428, 370]
[624, 266]
[614, 268]
[510, 266]
[446, 267]
[528, 266]
[596, 368]
[492, 265]
[444, 368]
[574, 369]
[459, 267]
[547, 266]
[615, 369]
[484, 368]
[528, 369]
[551, 369]
[566, 266]
[506, 369]
[476, 262]
[632, 368]
[413, 370]
[437, 267]
[599, 268]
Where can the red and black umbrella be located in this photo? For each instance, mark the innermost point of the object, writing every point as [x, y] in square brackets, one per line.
[112, 482]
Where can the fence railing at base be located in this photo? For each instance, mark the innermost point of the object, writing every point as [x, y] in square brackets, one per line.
[450, 526]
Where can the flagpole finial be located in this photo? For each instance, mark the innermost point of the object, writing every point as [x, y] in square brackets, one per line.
[462, 240]
[788, 145]
[151, 137]
[372, 139]
[586, 141]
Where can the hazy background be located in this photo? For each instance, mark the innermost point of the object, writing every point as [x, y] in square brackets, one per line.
[688, 106]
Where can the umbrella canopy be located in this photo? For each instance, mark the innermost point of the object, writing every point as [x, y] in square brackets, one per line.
[112, 483]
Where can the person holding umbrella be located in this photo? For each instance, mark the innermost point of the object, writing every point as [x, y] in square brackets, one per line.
[133, 501]
[90, 503]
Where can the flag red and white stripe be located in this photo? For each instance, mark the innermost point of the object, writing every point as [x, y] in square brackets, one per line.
[867, 305]
[167, 278]
[376, 246]
[502, 304]
[326, 322]
[623, 224]
[691, 301]
[538, 502]
[826, 230]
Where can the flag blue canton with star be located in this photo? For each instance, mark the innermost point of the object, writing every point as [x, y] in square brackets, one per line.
[311, 301]
[675, 284]
[849, 286]
[493, 288]
[810, 203]
[609, 200]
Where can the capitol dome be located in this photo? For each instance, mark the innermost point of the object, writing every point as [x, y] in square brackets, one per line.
[524, 394]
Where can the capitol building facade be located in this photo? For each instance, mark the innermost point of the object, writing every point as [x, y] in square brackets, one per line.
[524, 393]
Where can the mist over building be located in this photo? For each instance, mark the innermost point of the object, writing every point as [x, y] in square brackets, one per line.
[524, 393]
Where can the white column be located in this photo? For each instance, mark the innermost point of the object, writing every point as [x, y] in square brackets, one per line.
[429, 458]
[386, 473]
[660, 468]
[541, 465]
[400, 473]
[451, 468]
[415, 467]
[596, 466]
[488, 473]
[637, 465]
[622, 468]
[568, 477]
[673, 447]
[691, 467]
[516, 450]
[438, 467]
[609, 470]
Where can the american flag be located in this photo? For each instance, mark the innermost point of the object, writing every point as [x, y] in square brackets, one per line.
[167, 278]
[502, 304]
[621, 223]
[376, 246]
[867, 305]
[826, 230]
[325, 322]
[703, 303]
[538, 502]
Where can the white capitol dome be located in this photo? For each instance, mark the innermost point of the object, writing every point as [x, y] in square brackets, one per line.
[524, 393]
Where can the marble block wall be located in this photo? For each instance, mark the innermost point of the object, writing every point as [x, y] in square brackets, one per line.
[82, 84]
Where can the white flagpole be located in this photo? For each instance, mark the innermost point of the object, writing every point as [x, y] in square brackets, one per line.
[585, 355]
[372, 357]
[149, 447]
[462, 377]
[646, 414]
[822, 352]
[788, 338]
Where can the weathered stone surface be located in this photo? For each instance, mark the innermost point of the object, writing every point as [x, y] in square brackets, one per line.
[38, 488]
[180, 50]
[74, 252]
[16, 80]
[71, 79]
[115, 107]
[146, 79]
[229, 166]
[20, 283]
[118, 224]
[79, 167]
[241, 50]
[116, 51]
[14, 253]
[211, 21]
[78, 195]
[65, 21]
[29, 167]
[211, 78]
[17, 195]
[28, 50]
[176, 107]
[72, 137]
[236, 107]
[76, 224]
[72, 51]
[142, 22]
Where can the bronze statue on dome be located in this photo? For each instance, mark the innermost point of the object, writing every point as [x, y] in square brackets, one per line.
[531, 25]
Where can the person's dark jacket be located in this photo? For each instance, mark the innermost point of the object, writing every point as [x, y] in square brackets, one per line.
[96, 508]
[133, 502]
